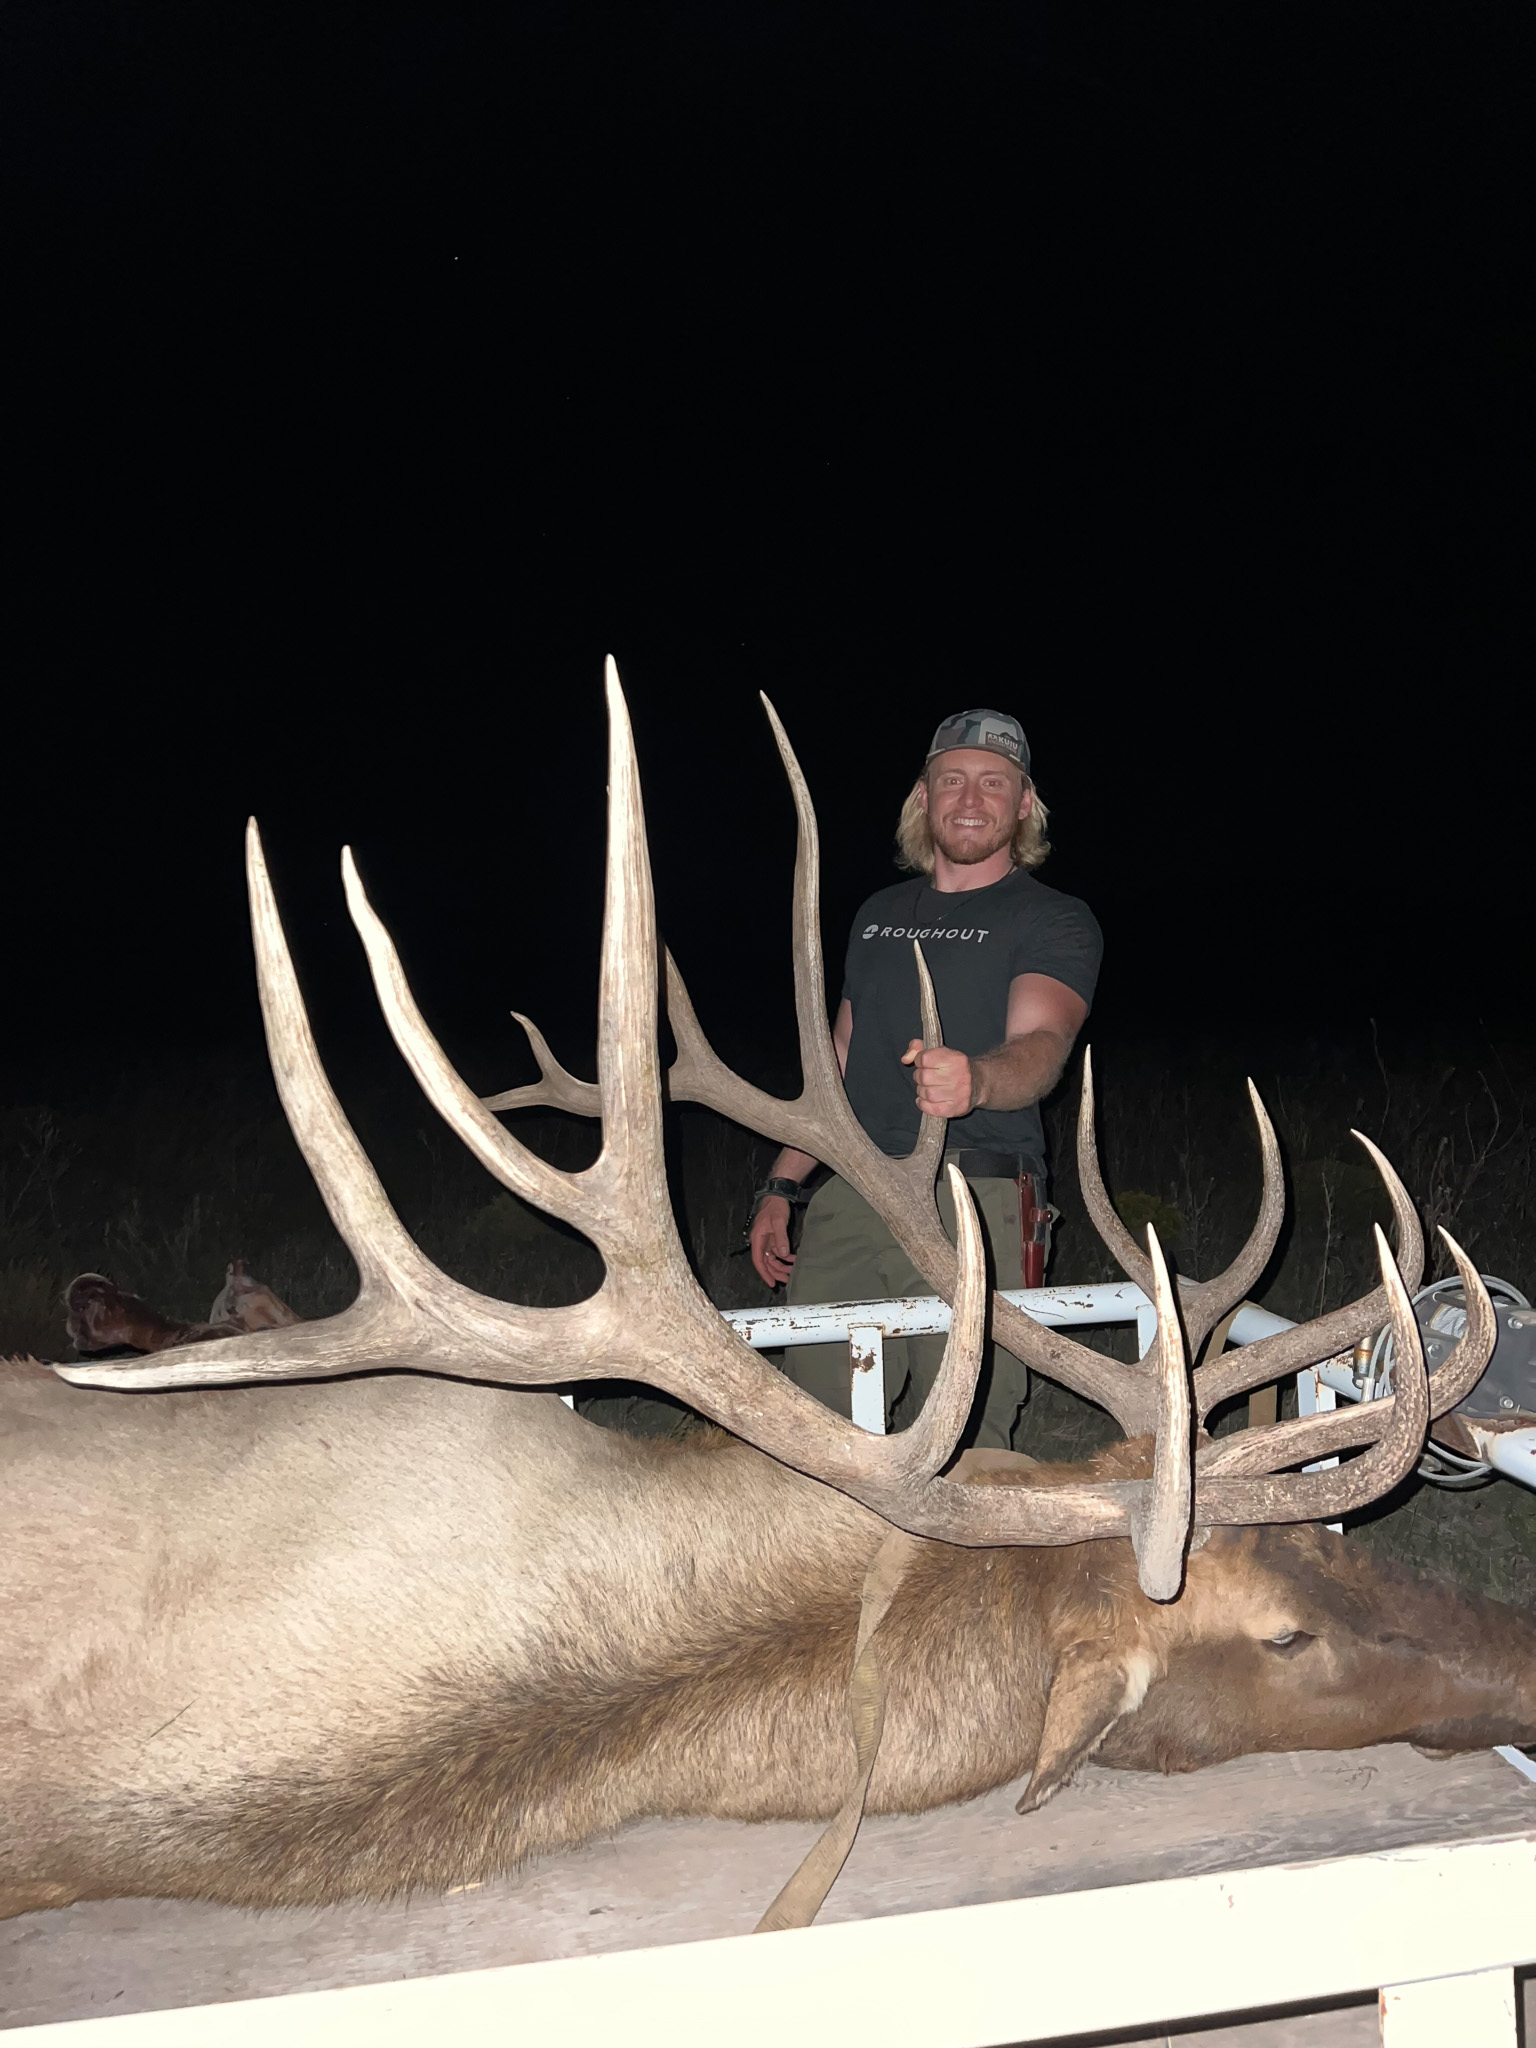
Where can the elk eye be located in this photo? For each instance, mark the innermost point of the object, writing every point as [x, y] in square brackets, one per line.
[1288, 1642]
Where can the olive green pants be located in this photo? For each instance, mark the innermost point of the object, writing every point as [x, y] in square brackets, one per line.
[847, 1254]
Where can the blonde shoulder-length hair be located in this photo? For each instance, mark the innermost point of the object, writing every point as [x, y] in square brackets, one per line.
[914, 840]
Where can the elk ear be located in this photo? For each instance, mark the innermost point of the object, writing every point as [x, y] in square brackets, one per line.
[1093, 1688]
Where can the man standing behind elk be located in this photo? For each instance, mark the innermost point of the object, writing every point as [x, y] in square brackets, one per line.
[1014, 965]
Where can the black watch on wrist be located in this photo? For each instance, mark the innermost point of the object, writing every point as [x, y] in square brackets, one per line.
[792, 1191]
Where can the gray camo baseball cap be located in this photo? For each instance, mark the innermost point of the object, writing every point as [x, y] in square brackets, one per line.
[994, 731]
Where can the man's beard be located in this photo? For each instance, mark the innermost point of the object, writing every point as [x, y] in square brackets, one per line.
[967, 849]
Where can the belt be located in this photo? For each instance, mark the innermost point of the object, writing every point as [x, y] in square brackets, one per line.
[994, 1165]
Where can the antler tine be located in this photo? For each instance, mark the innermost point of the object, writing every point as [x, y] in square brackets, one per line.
[922, 1162]
[1324, 1496]
[1128, 1392]
[556, 1090]
[698, 1074]
[1102, 1213]
[936, 1431]
[629, 1079]
[382, 1325]
[1288, 1351]
[496, 1149]
[1281, 1444]
[1160, 1520]
[349, 1187]
[1468, 1362]
[823, 1081]
[1206, 1304]
[1410, 1236]
[632, 1160]
[819, 1120]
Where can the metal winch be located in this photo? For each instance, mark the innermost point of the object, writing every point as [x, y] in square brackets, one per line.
[1504, 1399]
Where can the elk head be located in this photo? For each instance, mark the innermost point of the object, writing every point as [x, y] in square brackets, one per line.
[1281, 1639]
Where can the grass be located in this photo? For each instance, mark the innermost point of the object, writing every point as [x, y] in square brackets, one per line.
[163, 1178]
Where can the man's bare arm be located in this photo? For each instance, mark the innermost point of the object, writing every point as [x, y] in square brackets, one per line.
[770, 1226]
[1044, 1018]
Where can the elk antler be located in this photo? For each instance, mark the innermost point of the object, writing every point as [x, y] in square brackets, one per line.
[649, 1319]
[556, 1088]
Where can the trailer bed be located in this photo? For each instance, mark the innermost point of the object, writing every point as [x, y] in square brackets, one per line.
[661, 1883]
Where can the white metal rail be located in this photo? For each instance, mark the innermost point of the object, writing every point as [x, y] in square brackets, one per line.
[865, 1325]
[1446, 1928]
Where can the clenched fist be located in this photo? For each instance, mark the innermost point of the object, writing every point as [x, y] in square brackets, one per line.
[946, 1084]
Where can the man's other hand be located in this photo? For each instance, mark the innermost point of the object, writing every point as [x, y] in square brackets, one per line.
[946, 1086]
[769, 1238]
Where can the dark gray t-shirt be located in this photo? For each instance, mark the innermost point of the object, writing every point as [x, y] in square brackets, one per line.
[975, 941]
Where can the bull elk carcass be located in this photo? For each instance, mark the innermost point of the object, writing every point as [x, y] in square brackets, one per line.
[351, 1606]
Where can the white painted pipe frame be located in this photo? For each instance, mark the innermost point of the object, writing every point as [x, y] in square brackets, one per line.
[1119, 1301]
[964, 1977]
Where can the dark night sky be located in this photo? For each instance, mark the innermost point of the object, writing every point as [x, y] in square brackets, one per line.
[1162, 375]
